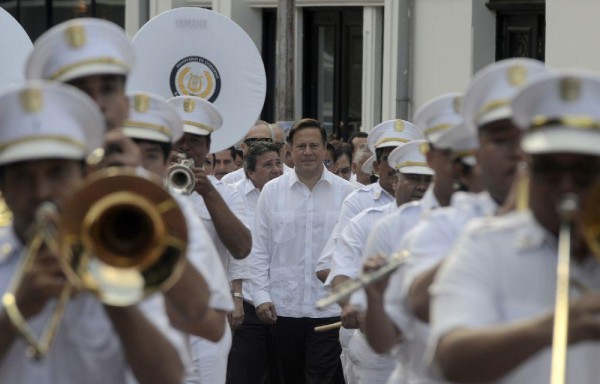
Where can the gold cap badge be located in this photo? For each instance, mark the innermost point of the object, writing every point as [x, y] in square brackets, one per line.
[32, 100]
[457, 104]
[399, 125]
[517, 75]
[141, 103]
[189, 105]
[424, 148]
[570, 89]
[75, 35]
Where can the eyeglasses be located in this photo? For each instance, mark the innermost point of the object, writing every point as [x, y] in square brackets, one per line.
[251, 140]
[328, 163]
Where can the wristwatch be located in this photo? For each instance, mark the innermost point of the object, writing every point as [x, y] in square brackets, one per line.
[239, 295]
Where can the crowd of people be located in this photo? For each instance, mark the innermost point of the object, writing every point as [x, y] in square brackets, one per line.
[475, 192]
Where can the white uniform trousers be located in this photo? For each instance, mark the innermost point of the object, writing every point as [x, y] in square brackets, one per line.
[209, 360]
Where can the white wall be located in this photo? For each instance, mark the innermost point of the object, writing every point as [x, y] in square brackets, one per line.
[572, 34]
[452, 39]
[441, 48]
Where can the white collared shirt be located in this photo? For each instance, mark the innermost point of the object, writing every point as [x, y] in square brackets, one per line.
[291, 227]
[372, 195]
[235, 269]
[204, 256]
[250, 194]
[501, 271]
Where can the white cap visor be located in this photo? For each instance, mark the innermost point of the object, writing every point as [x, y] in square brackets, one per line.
[417, 170]
[562, 140]
[145, 134]
[37, 149]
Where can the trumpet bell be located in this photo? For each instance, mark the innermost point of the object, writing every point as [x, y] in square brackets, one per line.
[180, 179]
[590, 220]
[123, 236]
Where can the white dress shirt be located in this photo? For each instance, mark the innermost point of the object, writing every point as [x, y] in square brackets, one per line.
[236, 269]
[501, 271]
[250, 194]
[291, 227]
[372, 195]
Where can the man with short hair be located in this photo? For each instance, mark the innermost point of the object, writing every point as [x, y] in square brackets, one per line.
[225, 162]
[260, 131]
[294, 217]
[251, 357]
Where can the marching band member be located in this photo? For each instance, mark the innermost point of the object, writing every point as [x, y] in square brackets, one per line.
[222, 211]
[412, 180]
[493, 299]
[154, 125]
[95, 56]
[46, 132]
[486, 106]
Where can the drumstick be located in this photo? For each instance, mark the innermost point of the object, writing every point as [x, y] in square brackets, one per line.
[328, 327]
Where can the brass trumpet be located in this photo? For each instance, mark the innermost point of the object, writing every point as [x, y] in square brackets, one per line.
[590, 224]
[180, 177]
[347, 288]
[121, 236]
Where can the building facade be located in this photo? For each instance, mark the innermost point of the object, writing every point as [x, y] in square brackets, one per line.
[359, 62]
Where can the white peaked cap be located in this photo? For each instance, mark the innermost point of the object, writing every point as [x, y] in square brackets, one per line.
[200, 117]
[80, 47]
[491, 90]
[439, 115]
[152, 118]
[367, 166]
[392, 133]
[462, 142]
[41, 120]
[410, 158]
[560, 113]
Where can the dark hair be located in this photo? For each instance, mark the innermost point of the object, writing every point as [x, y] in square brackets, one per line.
[354, 136]
[344, 149]
[379, 152]
[232, 152]
[255, 150]
[331, 150]
[164, 147]
[307, 123]
[239, 153]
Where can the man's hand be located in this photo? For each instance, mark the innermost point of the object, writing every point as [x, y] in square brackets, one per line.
[237, 316]
[350, 317]
[372, 264]
[266, 313]
[43, 281]
[203, 185]
[120, 150]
